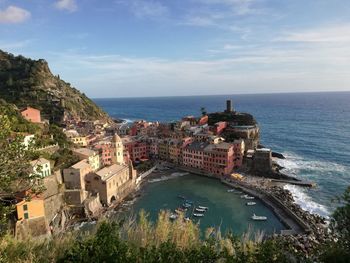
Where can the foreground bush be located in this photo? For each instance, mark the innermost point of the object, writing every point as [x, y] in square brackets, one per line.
[164, 241]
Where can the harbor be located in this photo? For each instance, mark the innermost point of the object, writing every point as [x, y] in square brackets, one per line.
[206, 201]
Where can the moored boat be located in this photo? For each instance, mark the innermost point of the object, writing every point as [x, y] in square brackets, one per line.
[203, 207]
[251, 203]
[198, 215]
[186, 205]
[249, 197]
[200, 210]
[259, 218]
[230, 190]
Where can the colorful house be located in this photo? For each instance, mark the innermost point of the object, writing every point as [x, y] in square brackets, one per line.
[92, 157]
[31, 114]
[41, 166]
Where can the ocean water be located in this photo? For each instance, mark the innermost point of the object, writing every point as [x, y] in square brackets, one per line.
[311, 129]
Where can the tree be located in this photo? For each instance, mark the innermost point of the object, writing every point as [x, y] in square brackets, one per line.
[16, 174]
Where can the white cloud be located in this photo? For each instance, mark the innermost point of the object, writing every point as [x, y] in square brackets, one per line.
[142, 8]
[69, 5]
[243, 69]
[14, 15]
[335, 34]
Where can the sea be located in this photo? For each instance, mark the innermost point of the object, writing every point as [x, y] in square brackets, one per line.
[312, 130]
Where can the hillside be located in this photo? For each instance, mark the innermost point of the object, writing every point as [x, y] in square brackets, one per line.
[26, 82]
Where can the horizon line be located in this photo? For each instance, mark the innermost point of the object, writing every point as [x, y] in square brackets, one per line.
[232, 94]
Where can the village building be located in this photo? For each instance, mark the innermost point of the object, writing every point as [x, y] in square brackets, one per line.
[31, 220]
[74, 180]
[112, 183]
[193, 155]
[219, 158]
[41, 167]
[91, 156]
[31, 114]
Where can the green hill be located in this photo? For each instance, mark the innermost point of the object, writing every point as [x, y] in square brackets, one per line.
[26, 82]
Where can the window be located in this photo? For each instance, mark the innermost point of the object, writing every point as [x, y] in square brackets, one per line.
[26, 216]
[25, 207]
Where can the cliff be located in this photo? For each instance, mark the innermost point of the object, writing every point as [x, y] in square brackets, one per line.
[26, 82]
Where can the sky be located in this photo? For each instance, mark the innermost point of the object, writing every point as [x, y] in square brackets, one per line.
[138, 48]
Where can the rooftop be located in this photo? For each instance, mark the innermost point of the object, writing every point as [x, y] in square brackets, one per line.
[110, 171]
[39, 161]
[81, 165]
[197, 146]
[84, 151]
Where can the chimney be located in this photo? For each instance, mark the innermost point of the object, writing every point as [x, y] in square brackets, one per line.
[229, 106]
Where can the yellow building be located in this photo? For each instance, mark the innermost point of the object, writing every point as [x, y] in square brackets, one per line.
[80, 140]
[92, 157]
[30, 209]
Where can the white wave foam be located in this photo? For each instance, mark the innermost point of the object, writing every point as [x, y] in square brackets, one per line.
[306, 202]
[165, 178]
[294, 163]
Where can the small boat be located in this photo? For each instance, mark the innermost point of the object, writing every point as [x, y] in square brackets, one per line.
[186, 205]
[243, 196]
[203, 207]
[251, 203]
[249, 197]
[173, 216]
[200, 210]
[181, 196]
[188, 201]
[230, 190]
[198, 215]
[259, 218]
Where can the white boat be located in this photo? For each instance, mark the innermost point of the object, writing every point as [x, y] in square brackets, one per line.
[243, 196]
[230, 190]
[203, 207]
[198, 215]
[200, 210]
[259, 218]
[249, 197]
[251, 203]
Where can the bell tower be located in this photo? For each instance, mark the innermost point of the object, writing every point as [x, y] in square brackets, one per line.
[118, 156]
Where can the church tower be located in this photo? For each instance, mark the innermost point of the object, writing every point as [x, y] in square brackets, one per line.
[118, 156]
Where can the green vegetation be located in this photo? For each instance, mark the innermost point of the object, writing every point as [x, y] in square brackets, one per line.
[16, 173]
[236, 118]
[25, 82]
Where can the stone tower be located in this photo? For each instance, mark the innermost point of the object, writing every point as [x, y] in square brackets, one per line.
[118, 156]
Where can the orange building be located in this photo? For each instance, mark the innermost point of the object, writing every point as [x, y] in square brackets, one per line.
[31, 114]
[32, 208]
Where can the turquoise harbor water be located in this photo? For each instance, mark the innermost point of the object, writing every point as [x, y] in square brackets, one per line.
[311, 129]
[226, 210]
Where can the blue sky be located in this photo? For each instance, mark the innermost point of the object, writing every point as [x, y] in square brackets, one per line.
[135, 48]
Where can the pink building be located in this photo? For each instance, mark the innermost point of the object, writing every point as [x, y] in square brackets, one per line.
[31, 114]
[203, 120]
[193, 155]
[137, 150]
[106, 151]
[219, 158]
[219, 127]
